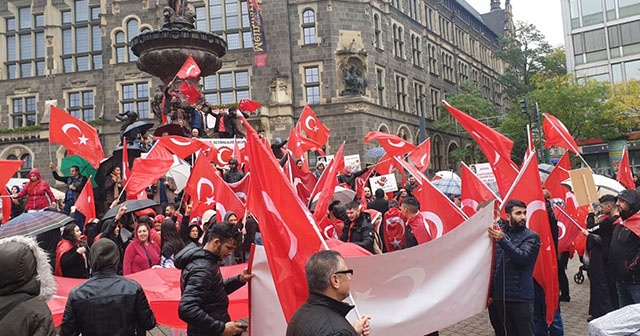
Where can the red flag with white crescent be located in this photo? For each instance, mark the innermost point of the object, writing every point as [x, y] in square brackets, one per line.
[181, 146]
[312, 126]
[473, 192]
[438, 211]
[75, 135]
[392, 144]
[393, 230]
[421, 156]
[556, 134]
[85, 203]
[189, 69]
[200, 186]
[226, 199]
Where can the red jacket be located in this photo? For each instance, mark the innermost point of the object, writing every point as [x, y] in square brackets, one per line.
[38, 192]
[135, 258]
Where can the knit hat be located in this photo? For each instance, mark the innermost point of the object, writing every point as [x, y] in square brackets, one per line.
[104, 255]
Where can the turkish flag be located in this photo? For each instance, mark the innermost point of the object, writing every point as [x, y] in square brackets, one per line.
[568, 228]
[420, 157]
[302, 182]
[241, 188]
[6, 204]
[248, 105]
[190, 92]
[238, 153]
[330, 229]
[149, 170]
[312, 126]
[125, 172]
[75, 135]
[385, 165]
[393, 230]
[473, 192]
[7, 169]
[226, 199]
[200, 186]
[420, 177]
[189, 69]
[439, 213]
[392, 144]
[299, 145]
[285, 223]
[559, 173]
[556, 134]
[220, 155]
[527, 189]
[181, 146]
[85, 203]
[327, 184]
[625, 176]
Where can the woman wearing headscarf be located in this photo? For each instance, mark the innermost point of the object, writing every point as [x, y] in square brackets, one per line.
[17, 205]
[190, 231]
[38, 190]
[72, 254]
[141, 254]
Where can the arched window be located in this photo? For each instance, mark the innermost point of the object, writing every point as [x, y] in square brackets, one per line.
[26, 167]
[132, 31]
[309, 26]
[120, 47]
[377, 31]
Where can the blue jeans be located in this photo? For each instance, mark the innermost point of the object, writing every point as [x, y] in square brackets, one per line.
[628, 294]
[539, 316]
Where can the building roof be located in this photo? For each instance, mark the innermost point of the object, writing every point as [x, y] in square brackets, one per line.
[495, 21]
[470, 9]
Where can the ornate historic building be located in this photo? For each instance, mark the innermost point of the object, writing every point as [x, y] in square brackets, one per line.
[361, 65]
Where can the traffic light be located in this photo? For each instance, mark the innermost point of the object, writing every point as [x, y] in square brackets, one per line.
[524, 106]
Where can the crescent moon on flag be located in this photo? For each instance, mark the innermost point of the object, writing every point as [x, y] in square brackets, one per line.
[470, 203]
[293, 241]
[534, 206]
[67, 126]
[395, 220]
[307, 125]
[423, 159]
[220, 207]
[395, 144]
[201, 181]
[326, 231]
[222, 150]
[430, 216]
[561, 228]
[180, 143]
[242, 196]
[191, 67]
[417, 276]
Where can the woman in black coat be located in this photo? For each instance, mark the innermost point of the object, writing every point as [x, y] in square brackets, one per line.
[72, 254]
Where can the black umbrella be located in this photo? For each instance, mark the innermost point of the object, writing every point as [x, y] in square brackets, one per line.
[132, 205]
[171, 129]
[138, 127]
[33, 223]
[115, 160]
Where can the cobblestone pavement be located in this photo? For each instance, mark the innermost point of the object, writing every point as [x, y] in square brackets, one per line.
[574, 313]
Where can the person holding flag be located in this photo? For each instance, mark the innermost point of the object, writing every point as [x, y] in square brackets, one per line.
[512, 291]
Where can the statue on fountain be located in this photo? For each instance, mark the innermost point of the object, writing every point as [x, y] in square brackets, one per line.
[178, 15]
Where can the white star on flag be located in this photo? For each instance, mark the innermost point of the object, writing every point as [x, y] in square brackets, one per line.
[210, 200]
[83, 139]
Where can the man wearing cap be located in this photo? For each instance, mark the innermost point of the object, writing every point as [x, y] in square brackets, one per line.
[233, 175]
[107, 304]
[624, 254]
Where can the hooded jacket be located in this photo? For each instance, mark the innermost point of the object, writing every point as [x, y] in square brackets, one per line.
[26, 275]
[624, 253]
[139, 256]
[204, 304]
[38, 192]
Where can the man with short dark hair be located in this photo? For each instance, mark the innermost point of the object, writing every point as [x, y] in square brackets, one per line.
[624, 254]
[358, 228]
[512, 292]
[379, 203]
[233, 175]
[75, 182]
[328, 280]
[204, 302]
[415, 232]
[121, 302]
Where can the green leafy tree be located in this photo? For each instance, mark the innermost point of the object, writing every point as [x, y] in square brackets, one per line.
[624, 107]
[514, 127]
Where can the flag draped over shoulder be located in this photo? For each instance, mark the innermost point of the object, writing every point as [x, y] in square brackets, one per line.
[287, 227]
[76, 135]
[556, 134]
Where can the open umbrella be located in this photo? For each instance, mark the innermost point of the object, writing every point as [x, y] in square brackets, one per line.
[85, 168]
[604, 185]
[33, 223]
[138, 127]
[341, 194]
[132, 206]
[375, 152]
[448, 182]
[115, 160]
[171, 129]
[179, 171]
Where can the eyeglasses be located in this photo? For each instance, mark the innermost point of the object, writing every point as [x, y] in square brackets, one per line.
[348, 272]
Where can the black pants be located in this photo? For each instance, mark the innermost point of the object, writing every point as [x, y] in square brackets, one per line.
[599, 300]
[510, 318]
[563, 260]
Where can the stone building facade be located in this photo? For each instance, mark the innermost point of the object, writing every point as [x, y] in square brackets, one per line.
[361, 65]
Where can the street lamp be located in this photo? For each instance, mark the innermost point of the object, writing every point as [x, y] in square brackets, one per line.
[423, 126]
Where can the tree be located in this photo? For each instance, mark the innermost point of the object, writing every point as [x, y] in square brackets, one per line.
[514, 127]
[624, 106]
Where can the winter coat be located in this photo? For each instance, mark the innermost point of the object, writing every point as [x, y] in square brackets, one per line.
[169, 191]
[204, 302]
[71, 195]
[69, 263]
[360, 232]
[105, 305]
[136, 259]
[39, 192]
[379, 204]
[233, 176]
[514, 259]
[322, 316]
[26, 277]
[624, 253]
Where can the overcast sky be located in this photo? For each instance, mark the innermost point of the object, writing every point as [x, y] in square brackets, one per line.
[545, 15]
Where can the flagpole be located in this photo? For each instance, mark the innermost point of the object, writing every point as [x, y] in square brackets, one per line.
[566, 214]
[513, 186]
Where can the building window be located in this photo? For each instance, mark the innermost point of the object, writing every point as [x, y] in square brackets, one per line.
[122, 37]
[435, 100]
[401, 93]
[380, 85]
[463, 71]
[23, 112]
[445, 29]
[416, 53]
[418, 92]
[135, 97]
[398, 41]
[309, 26]
[226, 87]
[448, 71]
[430, 18]
[377, 31]
[81, 105]
[433, 59]
[230, 20]
[25, 168]
[592, 12]
[81, 38]
[25, 45]
[396, 4]
[312, 85]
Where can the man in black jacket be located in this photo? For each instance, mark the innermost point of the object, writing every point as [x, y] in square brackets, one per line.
[379, 203]
[624, 254]
[107, 304]
[324, 312]
[204, 300]
[358, 228]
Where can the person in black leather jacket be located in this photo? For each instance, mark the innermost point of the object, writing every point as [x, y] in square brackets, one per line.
[512, 293]
[328, 280]
[107, 304]
[204, 300]
[357, 227]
